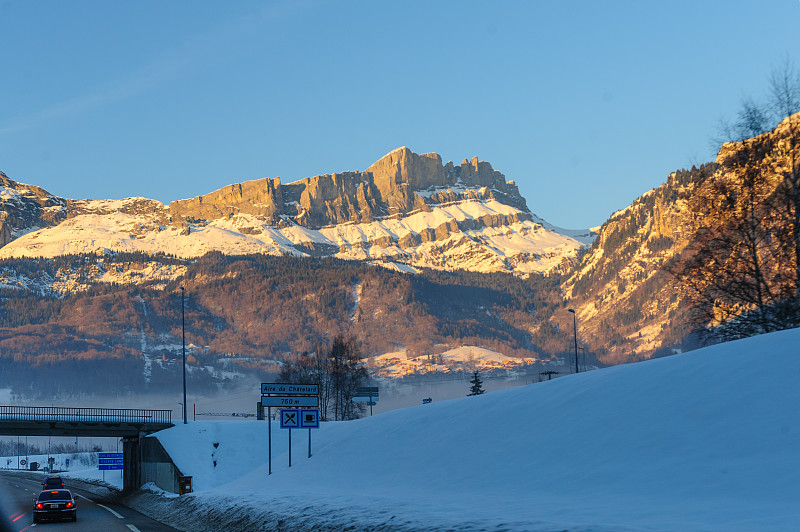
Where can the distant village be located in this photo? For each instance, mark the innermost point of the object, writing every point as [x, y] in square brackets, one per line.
[462, 359]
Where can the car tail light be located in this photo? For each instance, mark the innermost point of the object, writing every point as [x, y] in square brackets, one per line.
[39, 505]
[54, 491]
[69, 504]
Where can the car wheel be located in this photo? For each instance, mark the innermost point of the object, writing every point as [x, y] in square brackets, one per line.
[35, 519]
[74, 517]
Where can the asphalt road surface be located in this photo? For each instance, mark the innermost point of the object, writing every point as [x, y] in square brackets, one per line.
[94, 513]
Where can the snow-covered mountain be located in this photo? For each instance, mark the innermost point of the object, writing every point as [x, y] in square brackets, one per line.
[406, 209]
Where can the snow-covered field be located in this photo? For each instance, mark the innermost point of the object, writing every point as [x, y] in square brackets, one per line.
[708, 440]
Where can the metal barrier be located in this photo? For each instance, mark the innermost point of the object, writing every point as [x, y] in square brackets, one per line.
[87, 415]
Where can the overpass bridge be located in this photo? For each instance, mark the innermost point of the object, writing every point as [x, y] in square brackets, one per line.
[132, 425]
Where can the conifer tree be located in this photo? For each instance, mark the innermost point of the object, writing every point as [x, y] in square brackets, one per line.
[477, 385]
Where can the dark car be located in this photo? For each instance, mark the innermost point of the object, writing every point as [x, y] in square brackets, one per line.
[54, 504]
[53, 483]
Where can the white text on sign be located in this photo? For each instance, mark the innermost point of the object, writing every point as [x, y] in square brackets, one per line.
[288, 401]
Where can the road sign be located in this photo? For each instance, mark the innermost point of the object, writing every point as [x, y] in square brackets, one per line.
[279, 394]
[289, 389]
[290, 419]
[290, 401]
[366, 394]
[23, 462]
[109, 461]
[309, 419]
[366, 398]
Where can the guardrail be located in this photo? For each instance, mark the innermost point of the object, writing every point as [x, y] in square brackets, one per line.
[88, 415]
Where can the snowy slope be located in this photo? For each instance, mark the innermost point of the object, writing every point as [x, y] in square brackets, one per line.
[523, 247]
[708, 440]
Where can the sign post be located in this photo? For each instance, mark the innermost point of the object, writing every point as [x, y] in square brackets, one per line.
[269, 438]
[309, 419]
[367, 394]
[290, 419]
[288, 397]
[109, 461]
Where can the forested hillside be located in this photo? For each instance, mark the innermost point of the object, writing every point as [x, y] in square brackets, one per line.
[628, 305]
[244, 314]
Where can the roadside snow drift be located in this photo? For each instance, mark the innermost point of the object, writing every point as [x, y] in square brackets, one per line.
[707, 440]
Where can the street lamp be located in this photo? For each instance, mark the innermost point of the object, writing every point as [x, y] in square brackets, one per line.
[183, 340]
[575, 336]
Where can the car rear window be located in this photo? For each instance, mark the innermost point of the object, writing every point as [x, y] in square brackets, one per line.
[60, 495]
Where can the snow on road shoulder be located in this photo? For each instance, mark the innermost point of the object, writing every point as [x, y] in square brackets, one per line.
[690, 442]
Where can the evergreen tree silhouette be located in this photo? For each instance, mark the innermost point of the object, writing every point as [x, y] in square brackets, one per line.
[477, 385]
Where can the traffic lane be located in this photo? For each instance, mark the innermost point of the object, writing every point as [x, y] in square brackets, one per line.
[17, 494]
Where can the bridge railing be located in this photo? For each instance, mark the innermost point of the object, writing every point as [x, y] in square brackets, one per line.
[85, 415]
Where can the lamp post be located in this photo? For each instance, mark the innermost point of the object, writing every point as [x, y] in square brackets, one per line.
[575, 337]
[183, 343]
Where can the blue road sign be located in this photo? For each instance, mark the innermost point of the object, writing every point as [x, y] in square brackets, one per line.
[290, 419]
[309, 419]
[110, 461]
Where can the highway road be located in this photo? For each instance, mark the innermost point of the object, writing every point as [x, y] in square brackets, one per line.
[94, 512]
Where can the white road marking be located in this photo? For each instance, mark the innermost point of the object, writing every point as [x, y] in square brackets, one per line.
[110, 510]
[133, 528]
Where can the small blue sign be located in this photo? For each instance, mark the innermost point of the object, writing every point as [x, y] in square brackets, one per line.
[103, 456]
[105, 461]
[309, 418]
[290, 419]
[107, 467]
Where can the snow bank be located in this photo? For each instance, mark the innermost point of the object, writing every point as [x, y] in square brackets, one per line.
[707, 440]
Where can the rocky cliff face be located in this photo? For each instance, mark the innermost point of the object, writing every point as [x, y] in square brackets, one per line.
[262, 197]
[628, 306]
[332, 199]
[405, 208]
[25, 207]
[399, 183]
[401, 172]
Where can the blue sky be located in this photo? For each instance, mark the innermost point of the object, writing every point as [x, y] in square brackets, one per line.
[586, 105]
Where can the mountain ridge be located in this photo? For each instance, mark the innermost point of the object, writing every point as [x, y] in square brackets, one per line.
[405, 208]
[262, 262]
